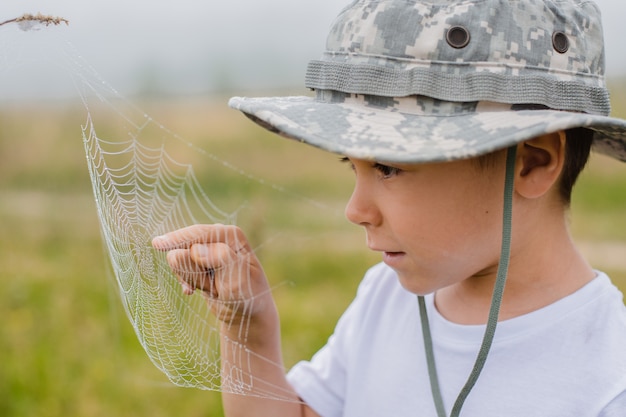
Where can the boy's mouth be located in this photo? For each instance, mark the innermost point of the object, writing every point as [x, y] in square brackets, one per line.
[391, 258]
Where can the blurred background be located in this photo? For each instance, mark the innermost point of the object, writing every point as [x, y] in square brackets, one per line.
[66, 346]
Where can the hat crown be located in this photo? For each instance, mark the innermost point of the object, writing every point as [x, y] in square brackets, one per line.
[510, 51]
[420, 81]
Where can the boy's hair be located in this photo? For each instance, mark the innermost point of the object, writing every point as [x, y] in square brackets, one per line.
[577, 149]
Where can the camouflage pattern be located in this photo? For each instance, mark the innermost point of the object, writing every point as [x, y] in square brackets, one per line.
[391, 86]
[399, 48]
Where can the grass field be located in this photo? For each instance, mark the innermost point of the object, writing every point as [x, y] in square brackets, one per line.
[66, 347]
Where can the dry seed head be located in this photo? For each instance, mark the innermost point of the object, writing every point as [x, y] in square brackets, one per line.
[37, 18]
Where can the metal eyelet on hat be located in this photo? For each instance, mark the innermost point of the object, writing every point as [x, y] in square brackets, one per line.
[458, 37]
[560, 42]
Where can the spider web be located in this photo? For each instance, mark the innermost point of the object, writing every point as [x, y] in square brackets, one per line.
[145, 184]
[143, 190]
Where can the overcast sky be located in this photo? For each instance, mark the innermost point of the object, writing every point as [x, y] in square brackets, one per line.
[186, 46]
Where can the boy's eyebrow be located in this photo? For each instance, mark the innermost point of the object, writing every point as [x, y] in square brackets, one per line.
[346, 160]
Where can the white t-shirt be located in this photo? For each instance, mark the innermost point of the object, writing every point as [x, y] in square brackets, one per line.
[567, 359]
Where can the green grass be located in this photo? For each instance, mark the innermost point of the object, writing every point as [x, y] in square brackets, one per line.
[67, 348]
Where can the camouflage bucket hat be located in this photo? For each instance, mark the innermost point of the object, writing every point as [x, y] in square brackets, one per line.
[434, 80]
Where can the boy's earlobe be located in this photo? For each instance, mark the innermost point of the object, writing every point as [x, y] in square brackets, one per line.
[540, 162]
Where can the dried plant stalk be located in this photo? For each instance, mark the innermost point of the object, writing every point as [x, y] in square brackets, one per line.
[37, 18]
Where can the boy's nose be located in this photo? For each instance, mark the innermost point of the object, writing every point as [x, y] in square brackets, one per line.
[361, 209]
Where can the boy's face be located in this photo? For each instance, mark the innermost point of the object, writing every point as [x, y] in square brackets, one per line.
[436, 224]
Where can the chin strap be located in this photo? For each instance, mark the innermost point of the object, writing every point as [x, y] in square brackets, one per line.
[494, 311]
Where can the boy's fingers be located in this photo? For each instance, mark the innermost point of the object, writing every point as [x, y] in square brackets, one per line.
[202, 255]
[201, 233]
[211, 255]
[182, 238]
[182, 264]
[190, 274]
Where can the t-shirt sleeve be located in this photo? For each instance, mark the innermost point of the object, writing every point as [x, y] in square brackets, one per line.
[322, 381]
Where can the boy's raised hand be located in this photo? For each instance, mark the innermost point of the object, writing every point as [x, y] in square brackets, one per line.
[217, 260]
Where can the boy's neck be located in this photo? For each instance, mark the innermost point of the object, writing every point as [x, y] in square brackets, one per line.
[538, 276]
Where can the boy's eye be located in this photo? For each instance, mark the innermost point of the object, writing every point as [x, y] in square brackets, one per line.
[386, 170]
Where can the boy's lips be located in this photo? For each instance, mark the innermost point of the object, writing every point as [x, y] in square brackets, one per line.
[392, 258]
[385, 252]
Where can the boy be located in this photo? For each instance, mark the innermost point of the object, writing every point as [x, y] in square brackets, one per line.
[435, 105]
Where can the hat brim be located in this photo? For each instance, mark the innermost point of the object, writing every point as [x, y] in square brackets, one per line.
[371, 133]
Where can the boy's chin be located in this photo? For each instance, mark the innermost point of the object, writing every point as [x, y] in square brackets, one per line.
[415, 285]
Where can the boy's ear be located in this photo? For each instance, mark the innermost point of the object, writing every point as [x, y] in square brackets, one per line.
[539, 164]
